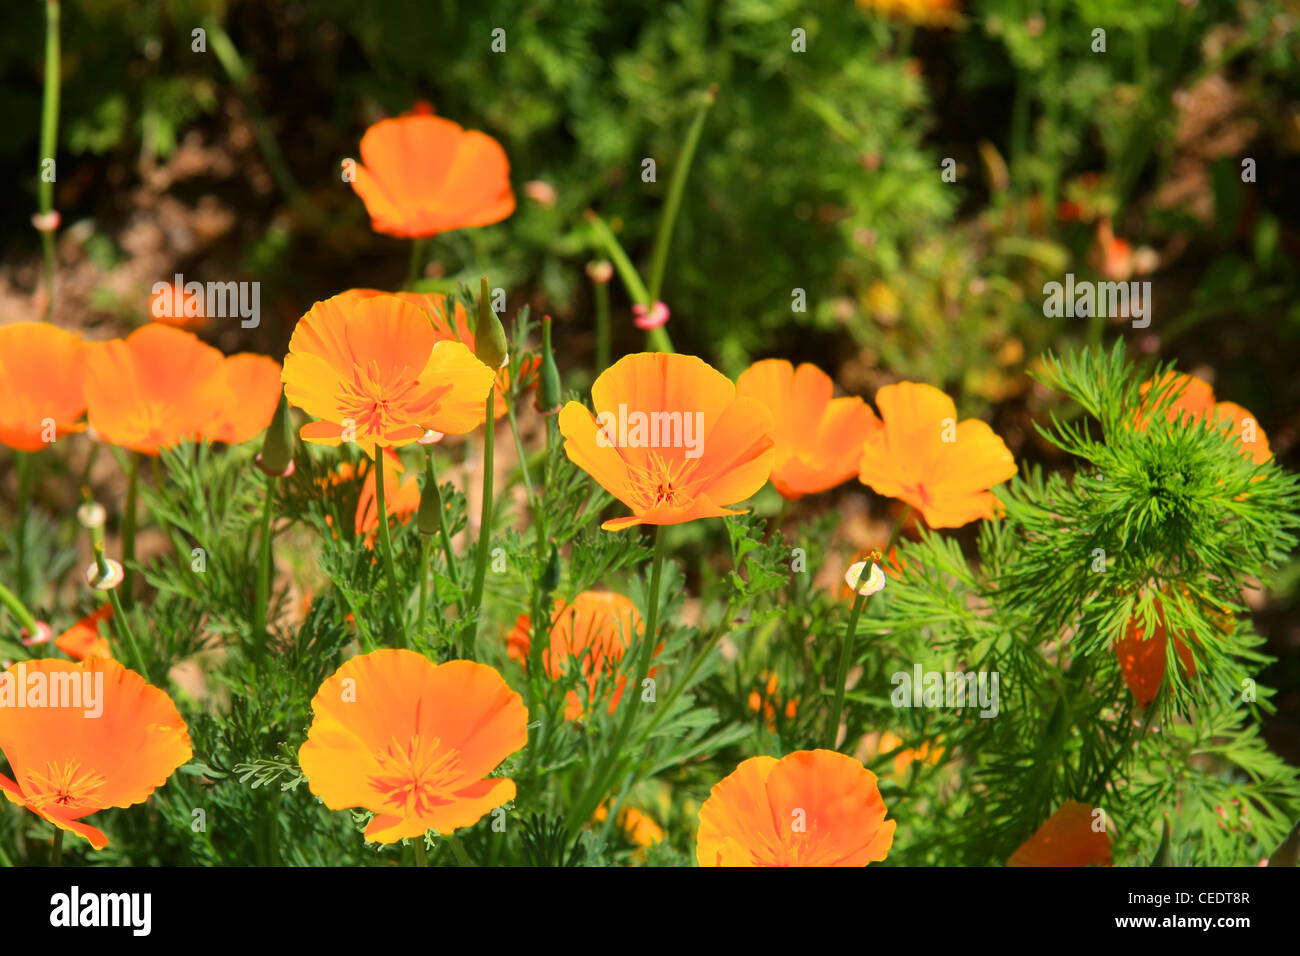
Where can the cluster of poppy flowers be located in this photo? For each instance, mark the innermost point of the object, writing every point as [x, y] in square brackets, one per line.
[417, 743]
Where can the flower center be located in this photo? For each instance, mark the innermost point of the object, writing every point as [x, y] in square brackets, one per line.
[69, 786]
[376, 401]
[662, 482]
[417, 775]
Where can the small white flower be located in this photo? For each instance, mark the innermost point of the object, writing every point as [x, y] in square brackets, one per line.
[865, 584]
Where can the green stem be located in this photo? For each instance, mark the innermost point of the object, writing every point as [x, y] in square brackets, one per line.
[18, 609]
[260, 634]
[458, 849]
[842, 673]
[386, 543]
[128, 528]
[417, 262]
[431, 471]
[484, 530]
[125, 634]
[421, 855]
[49, 143]
[602, 325]
[649, 640]
[631, 278]
[423, 607]
[523, 458]
[24, 506]
[663, 239]
[56, 857]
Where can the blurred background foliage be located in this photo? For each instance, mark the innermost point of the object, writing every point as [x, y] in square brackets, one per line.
[819, 170]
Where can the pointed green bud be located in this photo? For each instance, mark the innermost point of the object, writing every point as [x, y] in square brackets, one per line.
[1288, 853]
[428, 518]
[551, 576]
[549, 393]
[1165, 853]
[490, 337]
[276, 458]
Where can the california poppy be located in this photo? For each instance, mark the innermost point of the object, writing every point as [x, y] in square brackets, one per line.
[374, 371]
[42, 384]
[155, 388]
[592, 633]
[251, 390]
[766, 701]
[453, 325]
[67, 763]
[925, 457]
[1067, 838]
[421, 175]
[1142, 650]
[640, 828]
[413, 742]
[170, 304]
[83, 639]
[810, 808]
[670, 439]
[1194, 401]
[817, 438]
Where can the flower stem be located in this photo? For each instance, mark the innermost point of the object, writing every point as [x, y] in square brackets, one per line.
[125, 634]
[421, 855]
[658, 338]
[423, 607]
[431, 472]
[49, 144]
[260, 634]
[24, 506]
[523, 458]
[18, 610]
[458, 849]
[56, 856]
[484, 530]
[663, 238]
[601, 292]
[386, 543]
[649, 640]
[842, 673]
[128, 528]
[417, 262]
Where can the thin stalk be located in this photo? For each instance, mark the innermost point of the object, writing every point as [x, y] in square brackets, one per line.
[128, 528]
[386, 543]
[56, 857]
[431, 471]
[842, 673]
[523, 458]
[423, 607]
[125, 634]
[663, 238]
[458, 849]
[649, 640]
[421, 855]
[24, 506]
[18, 609]
[602, 325]
[417, 262]
[631, 278]
[49, 144]
[260, 634]
[484, 530]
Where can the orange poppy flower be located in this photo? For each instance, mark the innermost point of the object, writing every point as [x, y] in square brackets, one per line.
[421, 175]
[1142, 655]
[83, 639]
[1196, 402]
[42, 384]
[594, 632]
[640, 828]
[818, 438]
[1066, 839]
[373, 370]
[69, 763]
[925, 457]
[401, 498]
[413, 742]
[251, 391]
[810, 808]
[155, 388]
[456, 328]
[766, 701]
[670, 439]
[924, 754]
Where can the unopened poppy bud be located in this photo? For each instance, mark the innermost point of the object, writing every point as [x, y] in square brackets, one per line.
[276, 458]
[550, 388]
[650, 317]
[92, 515]
[428, 518]
[490, 337]
[44, 634]
[551, 576]
[865, 581]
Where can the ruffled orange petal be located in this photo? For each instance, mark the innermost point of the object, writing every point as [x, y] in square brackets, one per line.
[1067, 838]
[42, 383]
